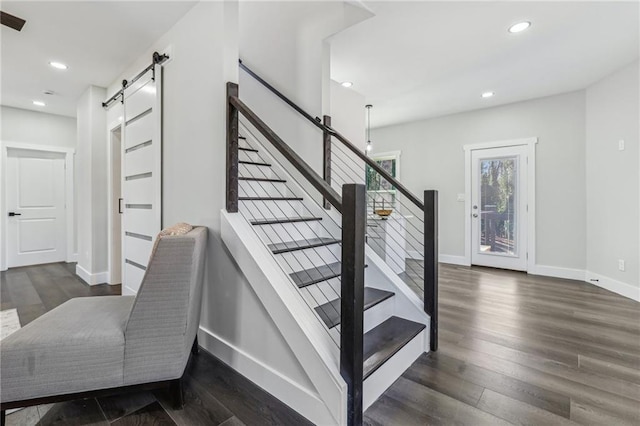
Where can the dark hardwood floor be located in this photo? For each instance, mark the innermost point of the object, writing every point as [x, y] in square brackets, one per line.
[522, 349]
[514, 349]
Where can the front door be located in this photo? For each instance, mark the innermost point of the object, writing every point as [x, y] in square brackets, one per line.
[499, 207]
[36, 231]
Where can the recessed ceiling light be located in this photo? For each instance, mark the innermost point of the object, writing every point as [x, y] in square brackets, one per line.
[39, 103]
[488, 94]
[520, 26]
[58, 65]
[346, 84]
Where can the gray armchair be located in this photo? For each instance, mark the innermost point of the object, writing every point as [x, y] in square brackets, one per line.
[95, 346]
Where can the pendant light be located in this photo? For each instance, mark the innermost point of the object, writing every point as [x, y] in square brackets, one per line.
[368, 107]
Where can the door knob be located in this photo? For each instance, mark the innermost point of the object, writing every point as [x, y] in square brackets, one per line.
[475, 215]
[11, 214]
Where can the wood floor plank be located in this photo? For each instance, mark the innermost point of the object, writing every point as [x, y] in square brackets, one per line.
[608, 345]
[434, 404]
[152, 414]
[587, 377]
[578, 391]
[445, 383]
[71, 413]
[20, 289]
[517, 412]
[587, 414]
[249, 403]
[388, 411]
[118, 406]
[546, 399]
[200, 408]
[608, 368]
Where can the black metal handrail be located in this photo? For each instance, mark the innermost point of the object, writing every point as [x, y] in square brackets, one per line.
[296, 161]
[325, 128]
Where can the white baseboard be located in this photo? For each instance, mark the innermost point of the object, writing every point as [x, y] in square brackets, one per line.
[92, 279]
[442, 258]
[72, 258]
[295, 396]
[618, 287]
[623, 289]
[453, 260]
[558, 272]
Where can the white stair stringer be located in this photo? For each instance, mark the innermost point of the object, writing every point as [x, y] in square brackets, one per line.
[309, 341]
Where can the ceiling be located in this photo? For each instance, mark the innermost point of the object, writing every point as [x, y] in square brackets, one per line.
[416, 60]
[97, 40]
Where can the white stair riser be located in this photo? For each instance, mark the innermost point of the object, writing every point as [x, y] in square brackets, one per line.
[378, 314]
[270, 209]
[383, 377]
[291, 231]
[309, 258]
[247, 188]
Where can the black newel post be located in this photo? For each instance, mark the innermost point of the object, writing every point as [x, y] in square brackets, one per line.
[431, 263]
[326, 157]
[232, 150]
[352, 297]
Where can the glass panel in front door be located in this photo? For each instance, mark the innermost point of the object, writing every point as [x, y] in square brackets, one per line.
[498, 205]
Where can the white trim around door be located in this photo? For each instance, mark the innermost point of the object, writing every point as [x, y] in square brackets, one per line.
[69, 153]
[530, 143]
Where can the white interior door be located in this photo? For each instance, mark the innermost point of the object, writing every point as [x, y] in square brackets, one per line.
[36, 226]
[499, 207]
[141, 173]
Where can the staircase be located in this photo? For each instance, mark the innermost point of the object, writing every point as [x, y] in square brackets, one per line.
[329, 291]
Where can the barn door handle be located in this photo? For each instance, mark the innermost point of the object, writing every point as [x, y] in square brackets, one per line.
[120, 205]
[11, 214]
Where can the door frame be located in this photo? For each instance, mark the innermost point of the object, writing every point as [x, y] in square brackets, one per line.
[69, 153]
[111, 128]
[531, 194]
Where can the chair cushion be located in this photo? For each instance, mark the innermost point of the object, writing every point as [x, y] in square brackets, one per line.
[76, 347]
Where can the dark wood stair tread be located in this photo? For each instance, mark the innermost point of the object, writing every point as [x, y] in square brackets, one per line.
[254, 163]
[262, 179]
[385, 340]
[270, 198]
[315, 275]
[247, 149]
[242, 137]
[301, 244]
[284, 220]
[330, 311]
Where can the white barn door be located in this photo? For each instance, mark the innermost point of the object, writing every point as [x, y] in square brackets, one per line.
[141, 176]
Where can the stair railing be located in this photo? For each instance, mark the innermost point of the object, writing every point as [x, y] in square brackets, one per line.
[352, 206]
[421, 237]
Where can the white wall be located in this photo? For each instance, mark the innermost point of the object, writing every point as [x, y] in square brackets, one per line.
[433, 158]
[39, 128]
[613, 212]
[235, 326]
[285, 43]
[91, 186]
[347, 117]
